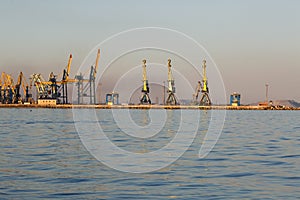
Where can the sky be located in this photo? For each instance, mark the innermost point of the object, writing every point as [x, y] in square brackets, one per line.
[252, 42]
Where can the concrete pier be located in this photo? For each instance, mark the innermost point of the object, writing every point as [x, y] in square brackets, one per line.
[191, 107]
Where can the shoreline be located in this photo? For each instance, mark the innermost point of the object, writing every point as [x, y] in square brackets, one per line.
[187, 107]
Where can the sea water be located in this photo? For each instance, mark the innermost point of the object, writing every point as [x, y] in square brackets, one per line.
[257, 156]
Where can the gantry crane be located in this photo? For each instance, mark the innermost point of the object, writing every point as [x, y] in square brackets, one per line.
[145, 99]
[205, 99]
[171, 100]
[90, 86]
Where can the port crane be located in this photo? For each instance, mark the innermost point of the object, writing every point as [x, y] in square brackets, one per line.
[3, 88]
[205, 99]
[65, 80]
[38, 81]
[7, 88]
[171, 100]
[52, 88]
[18, 98]
[28, 96]
[145, 99]
[82, 89]
[46, 89]
[22, 84]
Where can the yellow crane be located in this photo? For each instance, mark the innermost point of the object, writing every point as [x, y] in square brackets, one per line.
[171, 100]
[21, 85]
[51, 89]
[205, 99]
[8, 88]
[39, 82]
[96, 65]
[145, 99]
[65, 80]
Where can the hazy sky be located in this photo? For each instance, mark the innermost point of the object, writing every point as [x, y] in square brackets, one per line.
[253, 42]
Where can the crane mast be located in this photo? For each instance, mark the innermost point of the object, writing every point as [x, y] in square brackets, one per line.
[145, 99]
[205, 99]
[171, 100]
[205, 88]
[66, 72]
[93, 74]
[65, 80]
[171, 84]
[97, 63]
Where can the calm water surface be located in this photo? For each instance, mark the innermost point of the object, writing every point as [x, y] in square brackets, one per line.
[256, 157]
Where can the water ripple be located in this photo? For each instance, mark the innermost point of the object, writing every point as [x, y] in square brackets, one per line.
[41, 156]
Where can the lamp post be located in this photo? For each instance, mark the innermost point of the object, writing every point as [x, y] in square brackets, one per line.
[164, 91]
[267, 91]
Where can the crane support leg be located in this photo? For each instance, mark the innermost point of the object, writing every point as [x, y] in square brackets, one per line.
[205, 100]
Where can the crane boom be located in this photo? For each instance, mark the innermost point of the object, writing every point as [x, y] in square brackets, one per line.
[68, 68]
[9, 82]
[96, 64]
